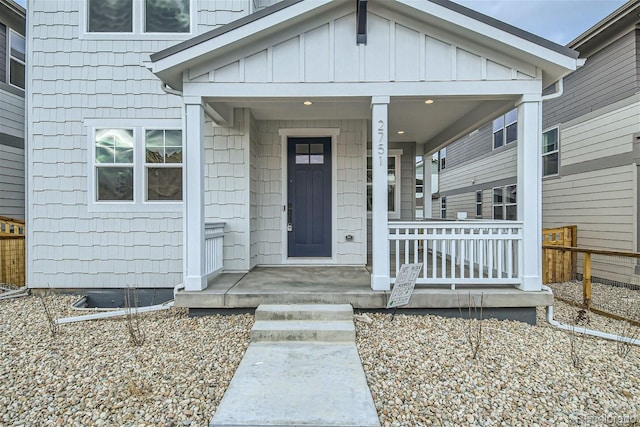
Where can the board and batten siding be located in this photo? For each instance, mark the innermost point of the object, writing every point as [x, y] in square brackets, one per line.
[608, 76]
[350, 181]
[11, 182]
[73, 80]
[395, 51]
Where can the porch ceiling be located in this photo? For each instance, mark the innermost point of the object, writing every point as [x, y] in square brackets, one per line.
[434, 125]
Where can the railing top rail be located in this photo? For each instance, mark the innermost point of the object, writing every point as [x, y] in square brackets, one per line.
[593, 251]
[211, 225]
[454, 224]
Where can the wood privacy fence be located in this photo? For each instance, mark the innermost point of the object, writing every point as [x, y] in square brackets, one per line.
[559, 266]
[12, 251]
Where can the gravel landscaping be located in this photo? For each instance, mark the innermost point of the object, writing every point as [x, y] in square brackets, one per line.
[419, 369]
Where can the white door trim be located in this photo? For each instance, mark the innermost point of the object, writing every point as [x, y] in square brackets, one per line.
[305, 133]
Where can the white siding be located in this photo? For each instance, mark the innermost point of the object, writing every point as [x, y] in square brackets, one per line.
[395, 51]
[75, 80]
[11, 114]
[11, 182]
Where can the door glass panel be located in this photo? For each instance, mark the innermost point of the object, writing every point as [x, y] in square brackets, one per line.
[317, 148]
[316, 159]
[302, 159]
[302, 148]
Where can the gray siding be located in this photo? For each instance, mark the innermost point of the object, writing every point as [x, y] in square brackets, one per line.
[473, 146]
[11, 115]
[607, 77]
[3, 53]
[11, 182]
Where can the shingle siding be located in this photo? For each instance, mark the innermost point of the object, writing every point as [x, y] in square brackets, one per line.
[74, 80]
[608, 76]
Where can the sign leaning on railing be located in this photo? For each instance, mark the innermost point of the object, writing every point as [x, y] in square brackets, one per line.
[405, 283]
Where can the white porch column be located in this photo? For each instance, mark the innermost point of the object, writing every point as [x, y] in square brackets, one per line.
[380, 280]
[195, 278]
[426, 186]
[529, 191]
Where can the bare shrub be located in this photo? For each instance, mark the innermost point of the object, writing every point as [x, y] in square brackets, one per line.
[628, 334]
[46, 299]
[136, 334]
[473, 324]
[576, 338]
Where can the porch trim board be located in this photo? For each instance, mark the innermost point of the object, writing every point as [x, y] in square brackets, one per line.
[285, 134]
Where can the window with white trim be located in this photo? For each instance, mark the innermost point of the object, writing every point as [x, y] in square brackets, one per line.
[156, 16]
[443, 207]
[443, 158]
[393, 183]
[505, 129]
[135, 167]
[550, 152]
[17, 55]
[479, 204]
[505, 202]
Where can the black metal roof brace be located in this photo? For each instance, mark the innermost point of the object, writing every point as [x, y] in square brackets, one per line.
[361, 24]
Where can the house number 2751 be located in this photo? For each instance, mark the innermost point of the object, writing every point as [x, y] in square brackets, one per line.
[381, 133]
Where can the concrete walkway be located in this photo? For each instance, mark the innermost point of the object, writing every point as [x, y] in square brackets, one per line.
[296, 380]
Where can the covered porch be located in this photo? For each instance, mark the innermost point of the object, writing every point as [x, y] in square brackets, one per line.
[298, 91]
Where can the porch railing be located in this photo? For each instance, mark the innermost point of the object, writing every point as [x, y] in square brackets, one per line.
[459, 252]
[213, 247]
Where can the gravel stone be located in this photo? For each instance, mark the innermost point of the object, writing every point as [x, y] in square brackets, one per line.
[419, 370]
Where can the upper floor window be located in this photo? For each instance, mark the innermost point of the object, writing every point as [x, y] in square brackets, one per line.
[505, 129]
[443, 158]
[17, 50]
[158, 16]
[550, 152]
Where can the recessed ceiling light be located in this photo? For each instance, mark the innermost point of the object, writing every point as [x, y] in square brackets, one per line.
[400, 132]
[307, 102]
[429, 101]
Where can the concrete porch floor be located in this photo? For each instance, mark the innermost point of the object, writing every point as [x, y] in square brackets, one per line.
[341, 285]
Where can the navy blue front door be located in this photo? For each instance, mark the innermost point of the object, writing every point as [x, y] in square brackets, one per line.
[309, 197]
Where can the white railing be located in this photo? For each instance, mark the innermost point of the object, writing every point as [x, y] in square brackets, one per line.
[459, 252]
[213, 246]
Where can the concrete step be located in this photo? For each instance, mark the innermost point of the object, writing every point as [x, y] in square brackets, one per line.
[304, 312]
[303, 330]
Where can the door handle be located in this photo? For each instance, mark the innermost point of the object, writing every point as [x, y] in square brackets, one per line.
[289, 217]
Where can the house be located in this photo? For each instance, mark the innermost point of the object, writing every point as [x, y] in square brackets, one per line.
[588, 151]
[12, 86]
[169, 146]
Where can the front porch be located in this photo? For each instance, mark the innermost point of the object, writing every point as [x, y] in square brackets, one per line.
[342, 285]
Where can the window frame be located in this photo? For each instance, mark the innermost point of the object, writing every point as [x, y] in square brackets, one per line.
[396, 154]
[10, 58]
[479, 203]
[138, 25]
[503, 127]
[139, 202]
[442, 157]
[164, 165]
[504, 204]
[556, 151]
[443, 207]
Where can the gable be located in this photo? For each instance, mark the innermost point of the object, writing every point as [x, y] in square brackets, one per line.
[396, 50]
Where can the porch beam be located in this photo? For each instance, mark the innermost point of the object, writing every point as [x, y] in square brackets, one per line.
[195, 278]
[500, 89]
[380, 279]
[529, 191]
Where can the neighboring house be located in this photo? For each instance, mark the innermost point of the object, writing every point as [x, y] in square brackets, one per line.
[12, 109]
[296, 126]
[590, 151]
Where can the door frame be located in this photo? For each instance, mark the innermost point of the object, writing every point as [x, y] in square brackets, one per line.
[285, 134]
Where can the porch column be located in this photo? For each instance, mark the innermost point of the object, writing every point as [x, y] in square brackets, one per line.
[529, 190]
[426, 186]
[195, 278]
[380, 280]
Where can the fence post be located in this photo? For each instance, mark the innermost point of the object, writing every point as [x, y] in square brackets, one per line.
[586, 281]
